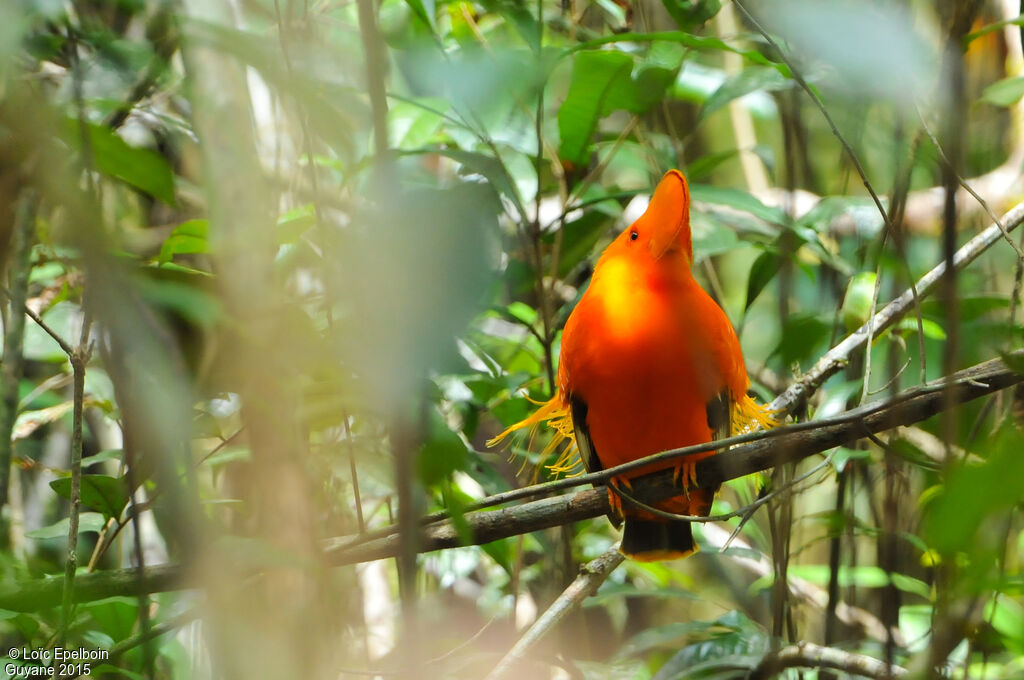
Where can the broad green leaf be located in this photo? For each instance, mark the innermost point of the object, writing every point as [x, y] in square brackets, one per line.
[1004, 92]
[697, 42]
[143, 169]
[710, 236]
[415, 124]
[600, 83]
[488, 166]
[103, 493]
[660, 636]
[803, 334]
[181, 293]
[702, 167]
[87, 522]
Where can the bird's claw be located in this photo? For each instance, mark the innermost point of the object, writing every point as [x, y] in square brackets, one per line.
[685, 475]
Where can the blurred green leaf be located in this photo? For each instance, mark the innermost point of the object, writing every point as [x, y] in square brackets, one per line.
[860, 293]
[932, 330]
[738, 200]
[143, 169]
[87, 522]
[187, 238]
[115, 616]
[1007, 617]
[424, 10]
[579, 238]
[689, 14]
[952, 519]
[1004, 92]
[746, 81]
[102, 457]
[764, 269]
[802, 335]
[443, 452]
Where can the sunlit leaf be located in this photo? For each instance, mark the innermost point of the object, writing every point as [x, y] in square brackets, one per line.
[600, 82]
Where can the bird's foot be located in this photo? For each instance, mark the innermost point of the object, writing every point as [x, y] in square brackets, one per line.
[685, 475]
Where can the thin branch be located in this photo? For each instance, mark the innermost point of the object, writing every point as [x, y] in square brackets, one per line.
[64, 346]
[810, 655]
[966, 186]
[592, 575]
[795, 73]
[837, 357]
[79, 358]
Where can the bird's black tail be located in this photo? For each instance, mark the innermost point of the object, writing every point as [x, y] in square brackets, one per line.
[649, 540]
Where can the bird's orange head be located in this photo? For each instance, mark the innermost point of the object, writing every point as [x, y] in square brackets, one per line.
[663, 231]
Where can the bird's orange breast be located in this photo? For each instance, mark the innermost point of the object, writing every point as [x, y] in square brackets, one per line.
[636, 351]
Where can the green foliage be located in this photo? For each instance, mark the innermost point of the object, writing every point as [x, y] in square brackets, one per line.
[407, 301]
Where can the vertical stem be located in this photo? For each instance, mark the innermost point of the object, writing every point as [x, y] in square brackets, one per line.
[834, 560]
[78, 358]
[14, 331]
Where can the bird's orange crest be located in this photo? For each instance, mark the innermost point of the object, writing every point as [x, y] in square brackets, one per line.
[668, 217]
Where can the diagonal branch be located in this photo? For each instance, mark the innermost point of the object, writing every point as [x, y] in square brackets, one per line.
[592, 575]
[834, 360]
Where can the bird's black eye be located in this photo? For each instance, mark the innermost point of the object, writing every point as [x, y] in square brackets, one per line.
[634, 235]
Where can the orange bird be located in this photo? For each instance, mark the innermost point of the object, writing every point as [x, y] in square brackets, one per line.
[649, 362]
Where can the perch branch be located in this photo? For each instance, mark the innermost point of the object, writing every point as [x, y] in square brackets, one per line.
[783, 445]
